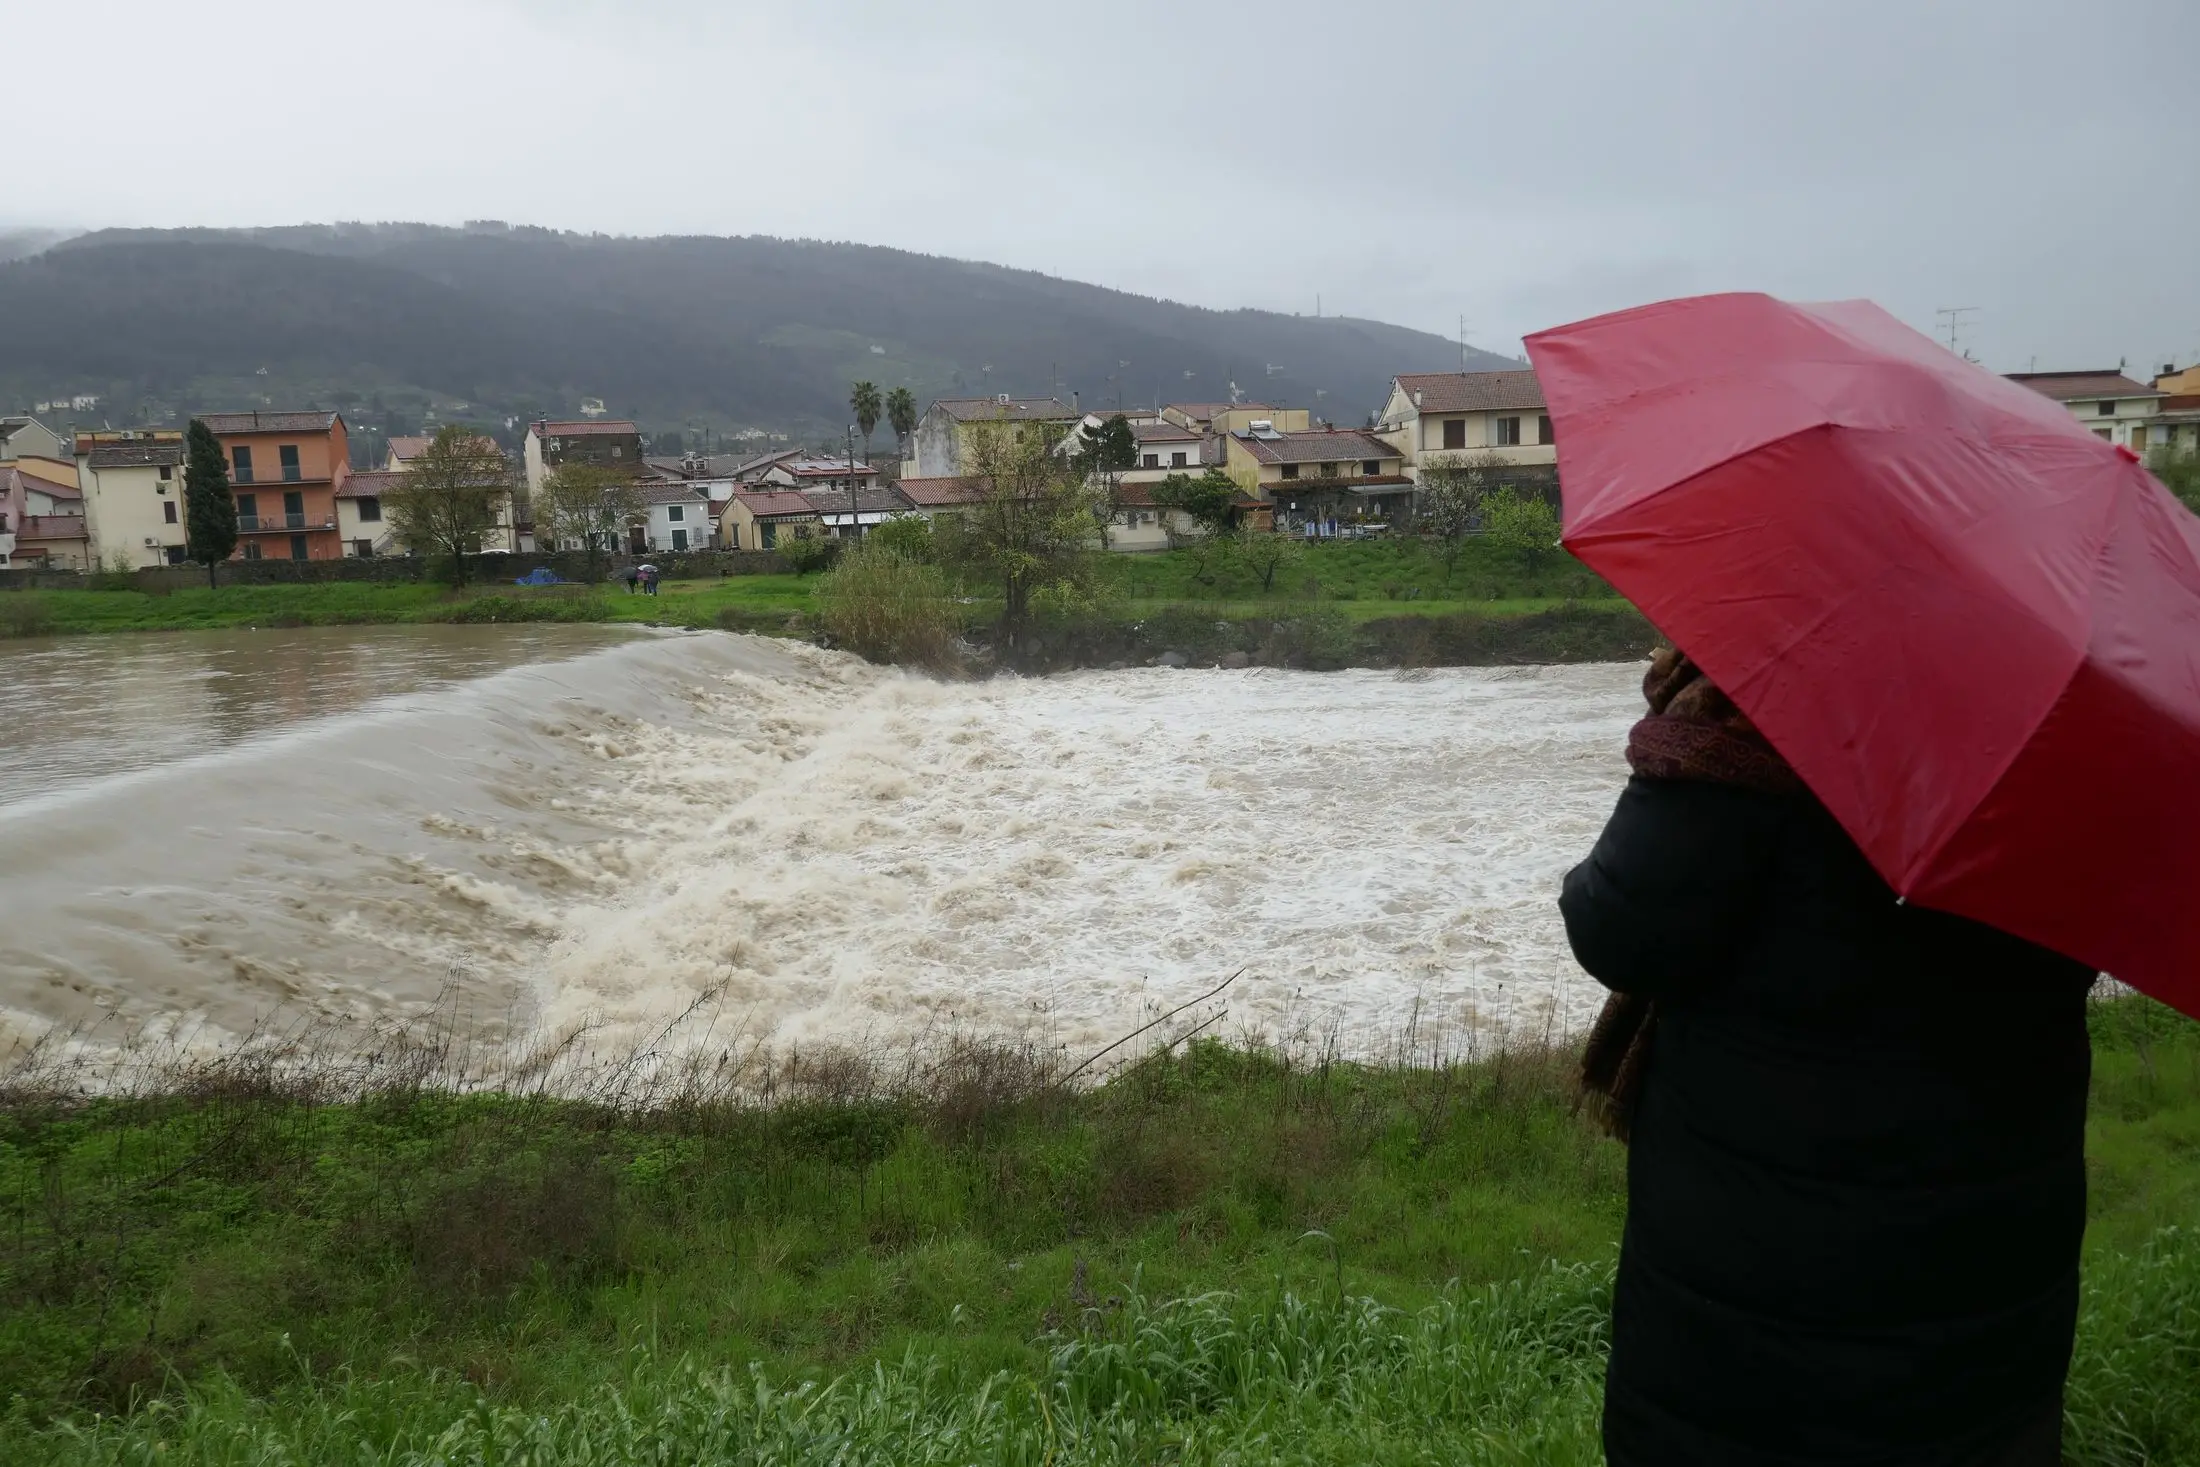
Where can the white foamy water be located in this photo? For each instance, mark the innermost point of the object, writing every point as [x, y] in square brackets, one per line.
[836, 850]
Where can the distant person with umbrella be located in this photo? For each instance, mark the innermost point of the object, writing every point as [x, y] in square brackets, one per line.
[648, 573]
[1927, 763]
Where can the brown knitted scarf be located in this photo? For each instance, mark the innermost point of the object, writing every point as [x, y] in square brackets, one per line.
[1694, 731]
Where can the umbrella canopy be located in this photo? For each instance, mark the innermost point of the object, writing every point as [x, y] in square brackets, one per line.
[1971, 626]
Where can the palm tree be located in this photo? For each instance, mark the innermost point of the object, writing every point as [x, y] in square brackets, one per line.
[901, 416]
[863, 401]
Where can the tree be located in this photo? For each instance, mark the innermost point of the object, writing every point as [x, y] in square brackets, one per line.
[444, 504]
[1522, 524]
[901, 416]
[2179, 471]
[210, 509]
[1029, 530]
[1210, 503]
[1264, 552]
[1102, 455]
[581, 504]
[1448, 500]
[802, 551]
[863, 401]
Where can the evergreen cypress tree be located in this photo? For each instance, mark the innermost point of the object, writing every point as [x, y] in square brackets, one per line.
[209, 508]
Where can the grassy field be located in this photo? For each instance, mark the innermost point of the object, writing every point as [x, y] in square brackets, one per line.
[1220, 1255]
[1364, 581]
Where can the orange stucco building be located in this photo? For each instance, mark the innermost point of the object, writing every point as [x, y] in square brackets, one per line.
[285, 469]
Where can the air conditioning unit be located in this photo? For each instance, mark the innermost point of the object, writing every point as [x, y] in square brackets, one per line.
[1003, 399]
[149, 540]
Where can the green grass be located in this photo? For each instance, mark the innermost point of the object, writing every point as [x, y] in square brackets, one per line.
[1217, 1256]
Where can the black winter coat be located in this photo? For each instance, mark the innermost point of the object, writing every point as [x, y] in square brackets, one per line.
[1856, 1185]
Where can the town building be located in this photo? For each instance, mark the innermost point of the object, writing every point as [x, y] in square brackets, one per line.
[41, 524]
[1321, 479]
[285, 469]
[756, 519]
[26, 437]
[947, 494]
[1481, 415]
[361, 522]
[132, 486]
[674, 517]
[941, 443]
[845, 521]
[512, 529]
[607, 443]
[2112, 407]
[827, 475]
[1218, 420]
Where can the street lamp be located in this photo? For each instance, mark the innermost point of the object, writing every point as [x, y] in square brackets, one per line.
[854, 520]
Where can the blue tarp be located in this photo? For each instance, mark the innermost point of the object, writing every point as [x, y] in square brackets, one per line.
[540, 576]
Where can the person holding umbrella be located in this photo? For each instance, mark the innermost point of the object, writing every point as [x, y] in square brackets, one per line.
[1920, 764]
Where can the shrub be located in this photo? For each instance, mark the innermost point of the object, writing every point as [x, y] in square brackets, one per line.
[805, 553]
[909, 536]
[24, 614]
[889, 608]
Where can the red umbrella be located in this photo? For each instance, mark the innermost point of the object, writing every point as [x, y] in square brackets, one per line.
[1971, 626]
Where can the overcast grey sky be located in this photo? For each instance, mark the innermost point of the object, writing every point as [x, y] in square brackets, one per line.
[1414, 161]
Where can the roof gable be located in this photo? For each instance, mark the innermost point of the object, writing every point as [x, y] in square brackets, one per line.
[1471, 392]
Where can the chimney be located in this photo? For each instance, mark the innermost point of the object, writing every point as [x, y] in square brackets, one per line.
[1416, 399]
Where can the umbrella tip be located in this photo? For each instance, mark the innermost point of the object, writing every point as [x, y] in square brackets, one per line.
[2126, 451]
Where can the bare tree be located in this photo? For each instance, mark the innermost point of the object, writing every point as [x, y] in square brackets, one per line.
[1029, 527]
[1447, 502]
[449, 498]
[581, 504]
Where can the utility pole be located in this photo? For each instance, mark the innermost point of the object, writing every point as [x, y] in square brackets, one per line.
[1952, 322]
[854, 514]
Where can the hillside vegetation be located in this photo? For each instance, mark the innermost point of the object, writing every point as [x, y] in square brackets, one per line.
[671, 331]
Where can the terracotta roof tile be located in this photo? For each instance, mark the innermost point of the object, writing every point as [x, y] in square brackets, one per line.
[937, 493]
[135, 455]
[582, 428]
[1473, 392]
[2078, 386]
[767, 503]
[1325, 446]
[372, 484]
[233, 423]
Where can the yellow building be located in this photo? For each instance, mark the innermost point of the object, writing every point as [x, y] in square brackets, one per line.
[1468, 414]
[940, 447]
[1322, 476]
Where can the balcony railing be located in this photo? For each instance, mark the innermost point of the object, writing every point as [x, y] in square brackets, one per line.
[260, 523]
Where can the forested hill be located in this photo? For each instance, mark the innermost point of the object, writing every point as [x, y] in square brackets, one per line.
[746, 332]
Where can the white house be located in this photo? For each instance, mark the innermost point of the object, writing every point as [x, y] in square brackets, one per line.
[1469, 414]
[2111, 405]
[361, 522]
[132, 483]
[22, 437]
[676, 517]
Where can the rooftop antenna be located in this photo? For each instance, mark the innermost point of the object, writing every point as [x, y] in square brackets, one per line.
[1952, 321]
[1462, 345]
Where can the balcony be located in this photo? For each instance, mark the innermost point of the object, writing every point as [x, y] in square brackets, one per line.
[253, 524]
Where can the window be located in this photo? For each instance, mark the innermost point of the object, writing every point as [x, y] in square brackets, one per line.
[248, 511]
[176, 554]
[2106, 435]
[1150, 461]
[298, 547]
[167, 474]
[1371, 466]
[679, 539]
[1455, 432]
[1543, 433]
[370, 510]
[251, 550]
[2104, 410]
[364, 549]
[770, 536]
[168, 511]
[240, 464]
[617, 451]
[1290, 471]
[289, 455]
[294, 512]
[1176, 460]
[676, 512]
[1505, 432]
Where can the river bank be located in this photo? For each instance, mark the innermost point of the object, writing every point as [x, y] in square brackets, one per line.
[1278, 633]
[934, 1255]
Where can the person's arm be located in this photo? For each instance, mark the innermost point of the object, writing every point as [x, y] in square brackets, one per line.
[1671, 890]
